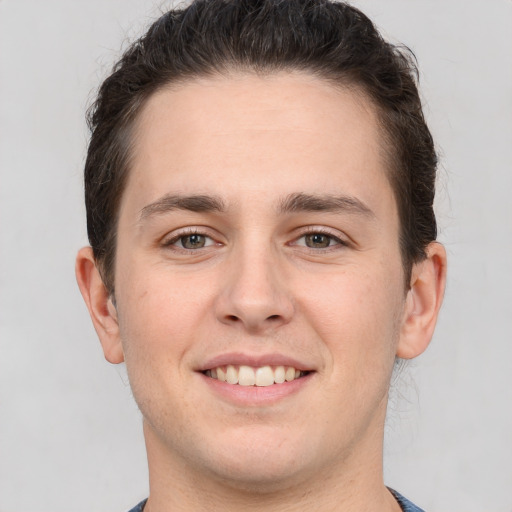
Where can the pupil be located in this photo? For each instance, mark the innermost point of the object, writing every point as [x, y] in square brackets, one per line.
[193, 241]
[317, 240]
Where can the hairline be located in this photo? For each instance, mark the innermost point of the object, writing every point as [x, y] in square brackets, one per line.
[132, 119]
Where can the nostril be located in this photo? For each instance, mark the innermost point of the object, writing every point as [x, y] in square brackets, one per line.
[232, 318]
[274, 317]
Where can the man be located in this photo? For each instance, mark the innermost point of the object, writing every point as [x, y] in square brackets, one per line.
[259, 189]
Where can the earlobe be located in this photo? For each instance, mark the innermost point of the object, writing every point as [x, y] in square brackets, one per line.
[100, 305]
[423, 301]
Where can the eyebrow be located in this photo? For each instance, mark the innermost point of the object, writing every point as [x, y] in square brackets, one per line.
[194, 203]
[301, 202]
[293, 203]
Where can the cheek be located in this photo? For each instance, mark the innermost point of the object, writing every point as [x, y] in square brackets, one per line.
[159, 322]
[357, 314]
[161, 311]
[160, 315]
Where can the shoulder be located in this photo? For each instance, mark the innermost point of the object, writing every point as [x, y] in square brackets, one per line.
[406, 505]
[139, 507]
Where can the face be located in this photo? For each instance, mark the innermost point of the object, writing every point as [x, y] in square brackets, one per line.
[258, 243]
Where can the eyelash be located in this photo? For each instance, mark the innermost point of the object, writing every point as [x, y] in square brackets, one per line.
[337, 242]
[169, 243]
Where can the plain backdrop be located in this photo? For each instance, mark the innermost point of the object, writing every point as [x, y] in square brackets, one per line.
[70, 433]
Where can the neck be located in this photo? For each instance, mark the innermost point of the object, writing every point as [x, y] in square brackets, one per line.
[355, 484]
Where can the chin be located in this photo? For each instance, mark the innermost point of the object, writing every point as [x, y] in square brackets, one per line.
[262, 462]
[258, 476]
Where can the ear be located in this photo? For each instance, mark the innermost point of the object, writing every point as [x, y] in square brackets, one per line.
[423, 301]
[99, 303]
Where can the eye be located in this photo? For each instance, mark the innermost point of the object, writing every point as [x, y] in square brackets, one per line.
[318, 240]
[191, 241]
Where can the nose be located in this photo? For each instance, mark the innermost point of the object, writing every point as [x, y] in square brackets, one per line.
[254, 294]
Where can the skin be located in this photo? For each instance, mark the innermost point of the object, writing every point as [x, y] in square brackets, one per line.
[256, 288]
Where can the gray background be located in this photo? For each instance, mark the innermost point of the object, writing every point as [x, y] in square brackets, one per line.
[70, 433]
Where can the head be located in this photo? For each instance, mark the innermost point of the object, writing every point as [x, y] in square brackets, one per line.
[331, 41]
[259, 190]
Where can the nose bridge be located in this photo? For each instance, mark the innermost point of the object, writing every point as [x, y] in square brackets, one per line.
[254, 292]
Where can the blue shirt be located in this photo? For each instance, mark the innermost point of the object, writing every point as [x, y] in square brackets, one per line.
[406, 505]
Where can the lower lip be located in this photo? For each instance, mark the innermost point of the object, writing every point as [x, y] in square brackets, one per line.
[256, 395]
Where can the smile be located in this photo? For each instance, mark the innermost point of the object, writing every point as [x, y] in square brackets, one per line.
[243, 375]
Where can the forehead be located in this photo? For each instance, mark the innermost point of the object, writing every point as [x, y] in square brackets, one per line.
[246, 135]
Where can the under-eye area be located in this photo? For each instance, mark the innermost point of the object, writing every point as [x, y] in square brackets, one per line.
[243, 375]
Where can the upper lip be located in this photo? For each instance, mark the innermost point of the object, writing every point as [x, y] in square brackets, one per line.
[239, 359]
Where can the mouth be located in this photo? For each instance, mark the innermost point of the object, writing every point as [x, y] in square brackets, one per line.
[261, 376]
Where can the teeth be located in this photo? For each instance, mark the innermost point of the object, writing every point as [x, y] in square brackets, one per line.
[221, 374]
[246, 376]
[290, 374]
[249, 376]
[279, 375]
[264, 376]
[231, 375]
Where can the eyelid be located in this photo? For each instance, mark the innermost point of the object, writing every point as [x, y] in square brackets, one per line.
[169, 240]
[311, 230]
